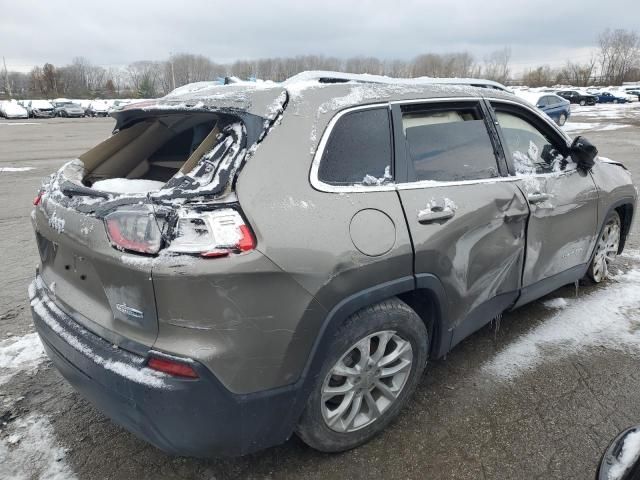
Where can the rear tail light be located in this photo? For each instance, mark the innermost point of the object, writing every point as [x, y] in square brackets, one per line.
[135, 229]
[212, 234]
[172, 367]
[36, 201]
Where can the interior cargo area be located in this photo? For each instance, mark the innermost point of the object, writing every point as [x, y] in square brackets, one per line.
[153, 148]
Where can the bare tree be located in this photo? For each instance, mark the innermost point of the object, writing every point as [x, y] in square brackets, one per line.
[539, 77]
[496, 65]
[578, 74]
[145, 78]
[619, 53]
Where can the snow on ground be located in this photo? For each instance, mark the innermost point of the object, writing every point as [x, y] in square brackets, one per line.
[571, 127]
[608, 317]
[607, 111]
[556, 303]
[18, 355]
[31, 451]
[15, 169]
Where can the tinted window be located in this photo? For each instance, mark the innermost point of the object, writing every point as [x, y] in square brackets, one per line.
[553, 100]
[449, 145]
[358, 150]
[531, 151]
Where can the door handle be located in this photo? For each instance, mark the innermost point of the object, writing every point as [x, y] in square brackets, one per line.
[439, 214]
[537, 197]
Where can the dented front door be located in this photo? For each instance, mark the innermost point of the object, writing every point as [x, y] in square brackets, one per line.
[562, 224]
[562, 199]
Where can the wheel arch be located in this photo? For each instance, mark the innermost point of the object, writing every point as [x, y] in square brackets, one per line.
[424, 293]
[625, 210]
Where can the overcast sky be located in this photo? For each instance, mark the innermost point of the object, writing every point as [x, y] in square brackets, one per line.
[115, 32]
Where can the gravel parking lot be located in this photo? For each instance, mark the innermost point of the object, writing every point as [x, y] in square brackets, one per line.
[539, 397]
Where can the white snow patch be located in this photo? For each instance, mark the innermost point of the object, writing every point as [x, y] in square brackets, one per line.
[127, 185]
[15, 169]
[19, 123]
[614, 126]
[556, 303]
[630, 453]
[56, 223]
[608, 317]
[20, 354]
[371, 180]
[32, 451]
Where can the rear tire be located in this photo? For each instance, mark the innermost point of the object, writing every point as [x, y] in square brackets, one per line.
[357, 394]
[562, 120]
[583, 103]
[606, 249]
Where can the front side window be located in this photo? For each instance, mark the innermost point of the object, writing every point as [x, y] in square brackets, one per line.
[531, 151]
[358, 151]
[448, 145]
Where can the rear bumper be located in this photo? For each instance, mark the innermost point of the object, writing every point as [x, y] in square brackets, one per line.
[180, 416]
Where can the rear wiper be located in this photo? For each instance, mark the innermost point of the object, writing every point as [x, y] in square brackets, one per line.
[71, 189]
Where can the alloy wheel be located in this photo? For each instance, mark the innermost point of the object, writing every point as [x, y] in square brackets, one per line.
[366, 381]
[606, 249]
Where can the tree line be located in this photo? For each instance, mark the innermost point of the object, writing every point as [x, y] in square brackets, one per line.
[616, 60]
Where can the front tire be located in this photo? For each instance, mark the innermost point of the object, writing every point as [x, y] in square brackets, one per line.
[606, 248]
[375, 363]
[583, 103]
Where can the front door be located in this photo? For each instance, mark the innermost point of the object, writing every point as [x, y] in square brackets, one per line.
[563, 200]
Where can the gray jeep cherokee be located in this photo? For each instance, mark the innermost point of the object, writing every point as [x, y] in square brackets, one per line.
[238, 263]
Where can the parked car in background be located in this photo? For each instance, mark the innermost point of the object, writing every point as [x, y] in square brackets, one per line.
[608, 97]
[635, 92]
[575, 96]
[40, 109]
[11, 109]
[165, 307]
[553, 105]
[68, 109]
[97, 108]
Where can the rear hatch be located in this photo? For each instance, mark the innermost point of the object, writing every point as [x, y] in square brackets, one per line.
[103, 220]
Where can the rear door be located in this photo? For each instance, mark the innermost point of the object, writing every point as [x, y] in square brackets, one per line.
[466, 217]
[563, 200]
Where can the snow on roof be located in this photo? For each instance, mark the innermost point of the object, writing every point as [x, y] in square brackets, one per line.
[324, 76]
[324, 91]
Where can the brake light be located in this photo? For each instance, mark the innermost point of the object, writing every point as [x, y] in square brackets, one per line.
[36, 201]
[172, 367]
[212, 234]
[135, 229]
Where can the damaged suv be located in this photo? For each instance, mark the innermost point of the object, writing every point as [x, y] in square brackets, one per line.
[238, 263]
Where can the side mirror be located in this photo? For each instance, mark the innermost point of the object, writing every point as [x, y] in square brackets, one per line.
[583, 153]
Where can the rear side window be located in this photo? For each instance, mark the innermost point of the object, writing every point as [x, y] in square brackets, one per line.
[449, 145]
[358, 150]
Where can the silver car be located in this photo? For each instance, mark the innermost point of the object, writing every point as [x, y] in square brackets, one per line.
[238, 263]
[68, 109]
